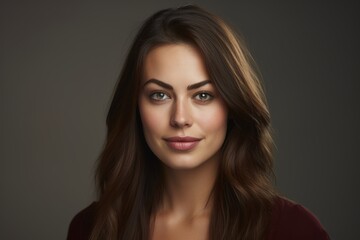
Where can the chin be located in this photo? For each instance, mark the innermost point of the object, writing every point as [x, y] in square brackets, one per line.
[184, 162]
[181, 166]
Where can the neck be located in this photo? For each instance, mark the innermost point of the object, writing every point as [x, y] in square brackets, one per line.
[188, 192]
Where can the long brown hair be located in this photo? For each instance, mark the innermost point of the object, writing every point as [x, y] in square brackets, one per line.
[129, 176]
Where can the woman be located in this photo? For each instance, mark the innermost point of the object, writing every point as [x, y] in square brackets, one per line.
[188, 147]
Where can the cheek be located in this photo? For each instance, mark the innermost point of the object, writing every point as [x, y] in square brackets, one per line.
[214, 120]
[152, 119]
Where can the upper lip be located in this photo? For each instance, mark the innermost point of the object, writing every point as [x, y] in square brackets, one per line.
[182, 139]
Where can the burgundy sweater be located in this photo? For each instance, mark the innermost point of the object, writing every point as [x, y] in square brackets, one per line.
[289, 221]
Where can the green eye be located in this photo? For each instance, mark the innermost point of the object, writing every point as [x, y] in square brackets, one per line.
[159, 96]
[204, 96]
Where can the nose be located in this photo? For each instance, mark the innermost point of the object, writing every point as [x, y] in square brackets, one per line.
[181, 114]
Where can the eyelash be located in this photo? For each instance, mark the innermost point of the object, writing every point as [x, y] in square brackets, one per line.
[154, 96]
[208, 95]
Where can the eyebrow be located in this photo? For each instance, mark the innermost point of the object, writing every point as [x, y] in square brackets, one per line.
[168, 86]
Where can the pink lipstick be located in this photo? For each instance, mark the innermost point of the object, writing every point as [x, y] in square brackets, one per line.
[182, 143]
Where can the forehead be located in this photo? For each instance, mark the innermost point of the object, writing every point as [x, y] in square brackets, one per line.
[173, 63]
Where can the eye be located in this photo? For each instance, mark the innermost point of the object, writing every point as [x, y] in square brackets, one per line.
[204, 96]
[159, 96]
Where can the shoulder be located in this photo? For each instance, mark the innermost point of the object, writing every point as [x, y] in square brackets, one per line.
[290, 220]
[81, 225]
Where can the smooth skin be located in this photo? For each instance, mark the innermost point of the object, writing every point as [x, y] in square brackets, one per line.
[177, 99]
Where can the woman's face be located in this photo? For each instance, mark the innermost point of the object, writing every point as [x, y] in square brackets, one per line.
[183, 116]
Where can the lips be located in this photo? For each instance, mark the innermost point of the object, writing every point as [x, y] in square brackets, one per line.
[182, 143]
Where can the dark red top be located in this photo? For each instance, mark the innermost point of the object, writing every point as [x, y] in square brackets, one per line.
[289, 221]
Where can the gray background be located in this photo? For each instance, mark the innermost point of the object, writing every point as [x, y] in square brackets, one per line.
[59, 61]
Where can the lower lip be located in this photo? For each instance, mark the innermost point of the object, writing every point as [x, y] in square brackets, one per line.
[182, 146]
